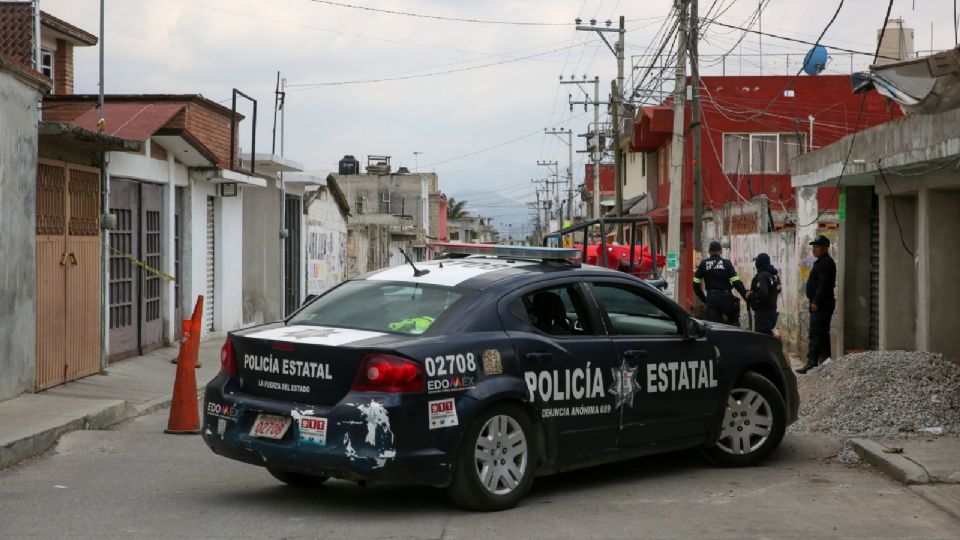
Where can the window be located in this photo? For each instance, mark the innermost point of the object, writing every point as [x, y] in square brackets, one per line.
[760, 153]
[404, 308]
[556, 311]
[631, 314]
[46, 63]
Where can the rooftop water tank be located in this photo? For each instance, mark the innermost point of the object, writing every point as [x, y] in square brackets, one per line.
[349, 165]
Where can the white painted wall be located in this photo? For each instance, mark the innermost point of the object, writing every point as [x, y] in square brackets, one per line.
[635, 174]
[145, 168]
[230, 263]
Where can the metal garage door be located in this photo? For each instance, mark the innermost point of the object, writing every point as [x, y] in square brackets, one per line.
[291, 255]
[68, 272]
[136, 326]
[208, 300]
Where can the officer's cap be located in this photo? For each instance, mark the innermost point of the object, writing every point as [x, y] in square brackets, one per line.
[821, 241]
[715, 246]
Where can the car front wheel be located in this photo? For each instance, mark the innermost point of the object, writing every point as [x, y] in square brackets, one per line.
[495, 467]
[753, 424]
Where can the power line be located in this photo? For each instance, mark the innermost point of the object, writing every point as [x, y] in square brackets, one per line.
[795, 40]
[856, 127]
[327, 30]
[430, 74]
[893, 206]
[437, 17]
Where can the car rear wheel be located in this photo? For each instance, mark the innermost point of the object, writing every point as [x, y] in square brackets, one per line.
[753, 425]
[495, 467]
[298, 480]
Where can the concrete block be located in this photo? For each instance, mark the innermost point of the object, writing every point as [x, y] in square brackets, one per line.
[893, 465]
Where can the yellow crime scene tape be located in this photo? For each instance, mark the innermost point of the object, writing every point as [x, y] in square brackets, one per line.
[142, 264]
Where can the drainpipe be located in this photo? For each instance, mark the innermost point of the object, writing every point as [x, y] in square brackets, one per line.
[810, 139]
[36, 49]
[105, 222]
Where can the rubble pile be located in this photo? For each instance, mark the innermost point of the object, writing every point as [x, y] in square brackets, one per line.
[882, 394]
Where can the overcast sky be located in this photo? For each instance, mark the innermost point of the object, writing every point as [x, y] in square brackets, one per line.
[212, 46]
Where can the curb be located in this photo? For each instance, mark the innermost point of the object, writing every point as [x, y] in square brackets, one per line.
[116, 413]
[38, 443]
[893, 465]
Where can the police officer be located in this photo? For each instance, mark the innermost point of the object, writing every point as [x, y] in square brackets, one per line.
[763, 294]
[720, 277]
[820, 284]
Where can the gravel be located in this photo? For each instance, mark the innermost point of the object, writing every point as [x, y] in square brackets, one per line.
[882, 394]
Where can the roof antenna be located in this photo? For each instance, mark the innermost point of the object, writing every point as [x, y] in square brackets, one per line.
[416, 271]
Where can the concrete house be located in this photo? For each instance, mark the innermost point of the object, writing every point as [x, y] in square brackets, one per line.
[22, 89]
[178, 206]
[899, 248]
[390, 211]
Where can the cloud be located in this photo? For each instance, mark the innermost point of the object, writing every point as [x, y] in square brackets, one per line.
[212, 46]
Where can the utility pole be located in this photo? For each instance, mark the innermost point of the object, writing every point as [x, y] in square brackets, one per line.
[569, 134]
[616, 102]
[695, 132]
[554, 168]
[597, 153]
[676, 155]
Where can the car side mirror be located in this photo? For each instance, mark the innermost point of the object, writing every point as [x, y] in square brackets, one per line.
[308, 299]
[695, 329]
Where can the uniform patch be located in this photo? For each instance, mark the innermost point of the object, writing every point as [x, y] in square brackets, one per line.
[442, 413]
[313, 430]
[492, 365]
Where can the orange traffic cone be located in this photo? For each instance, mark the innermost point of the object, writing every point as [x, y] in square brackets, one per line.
[184, 332]
[184, 418]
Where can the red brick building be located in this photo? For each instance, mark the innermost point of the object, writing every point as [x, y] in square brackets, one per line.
[752, 127]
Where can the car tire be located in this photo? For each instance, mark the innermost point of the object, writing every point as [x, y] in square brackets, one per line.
[500, 480]
[298, 480]
[753, 424]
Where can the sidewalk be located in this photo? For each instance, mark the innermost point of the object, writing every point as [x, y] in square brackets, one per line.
[930, 466]
[32, 423]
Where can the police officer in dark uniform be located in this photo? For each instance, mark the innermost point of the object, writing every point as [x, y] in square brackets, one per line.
[720, 277]
[762, 297]
[820, 284]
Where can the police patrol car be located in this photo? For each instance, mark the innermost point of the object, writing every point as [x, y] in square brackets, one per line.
[479, 373]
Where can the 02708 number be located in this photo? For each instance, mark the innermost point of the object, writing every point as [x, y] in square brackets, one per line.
[451, 364]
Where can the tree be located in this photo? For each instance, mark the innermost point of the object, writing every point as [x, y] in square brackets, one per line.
[455, 209]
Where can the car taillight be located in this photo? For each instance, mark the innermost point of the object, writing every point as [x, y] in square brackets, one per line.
[228, 364]
[388, 373]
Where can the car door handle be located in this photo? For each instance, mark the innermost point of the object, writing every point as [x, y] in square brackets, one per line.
[539, 356]
[635, 354]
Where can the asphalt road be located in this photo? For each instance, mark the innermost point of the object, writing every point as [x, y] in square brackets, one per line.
[136, 482]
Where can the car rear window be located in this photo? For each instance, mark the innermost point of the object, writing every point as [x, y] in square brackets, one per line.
[404, 308]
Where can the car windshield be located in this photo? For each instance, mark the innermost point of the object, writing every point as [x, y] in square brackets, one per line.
[405, 308]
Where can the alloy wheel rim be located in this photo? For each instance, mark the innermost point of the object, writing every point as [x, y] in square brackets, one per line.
[747, 423]
[500, 455]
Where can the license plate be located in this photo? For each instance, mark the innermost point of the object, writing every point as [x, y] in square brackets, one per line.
[270, 426]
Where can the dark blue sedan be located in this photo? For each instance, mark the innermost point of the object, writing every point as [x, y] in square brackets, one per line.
[477, 374]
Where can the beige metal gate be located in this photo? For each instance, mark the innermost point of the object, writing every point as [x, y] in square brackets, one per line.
[68, 272]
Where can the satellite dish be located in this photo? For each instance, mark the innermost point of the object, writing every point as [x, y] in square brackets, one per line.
[815, 61]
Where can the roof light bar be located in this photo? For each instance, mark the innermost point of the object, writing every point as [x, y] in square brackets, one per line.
[495, 250]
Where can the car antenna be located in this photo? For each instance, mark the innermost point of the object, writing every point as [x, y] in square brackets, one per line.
[417, 272]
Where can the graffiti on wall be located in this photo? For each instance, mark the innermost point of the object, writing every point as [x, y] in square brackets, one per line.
[326, 253]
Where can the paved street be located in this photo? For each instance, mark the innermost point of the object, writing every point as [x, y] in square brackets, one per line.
[136, 482]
